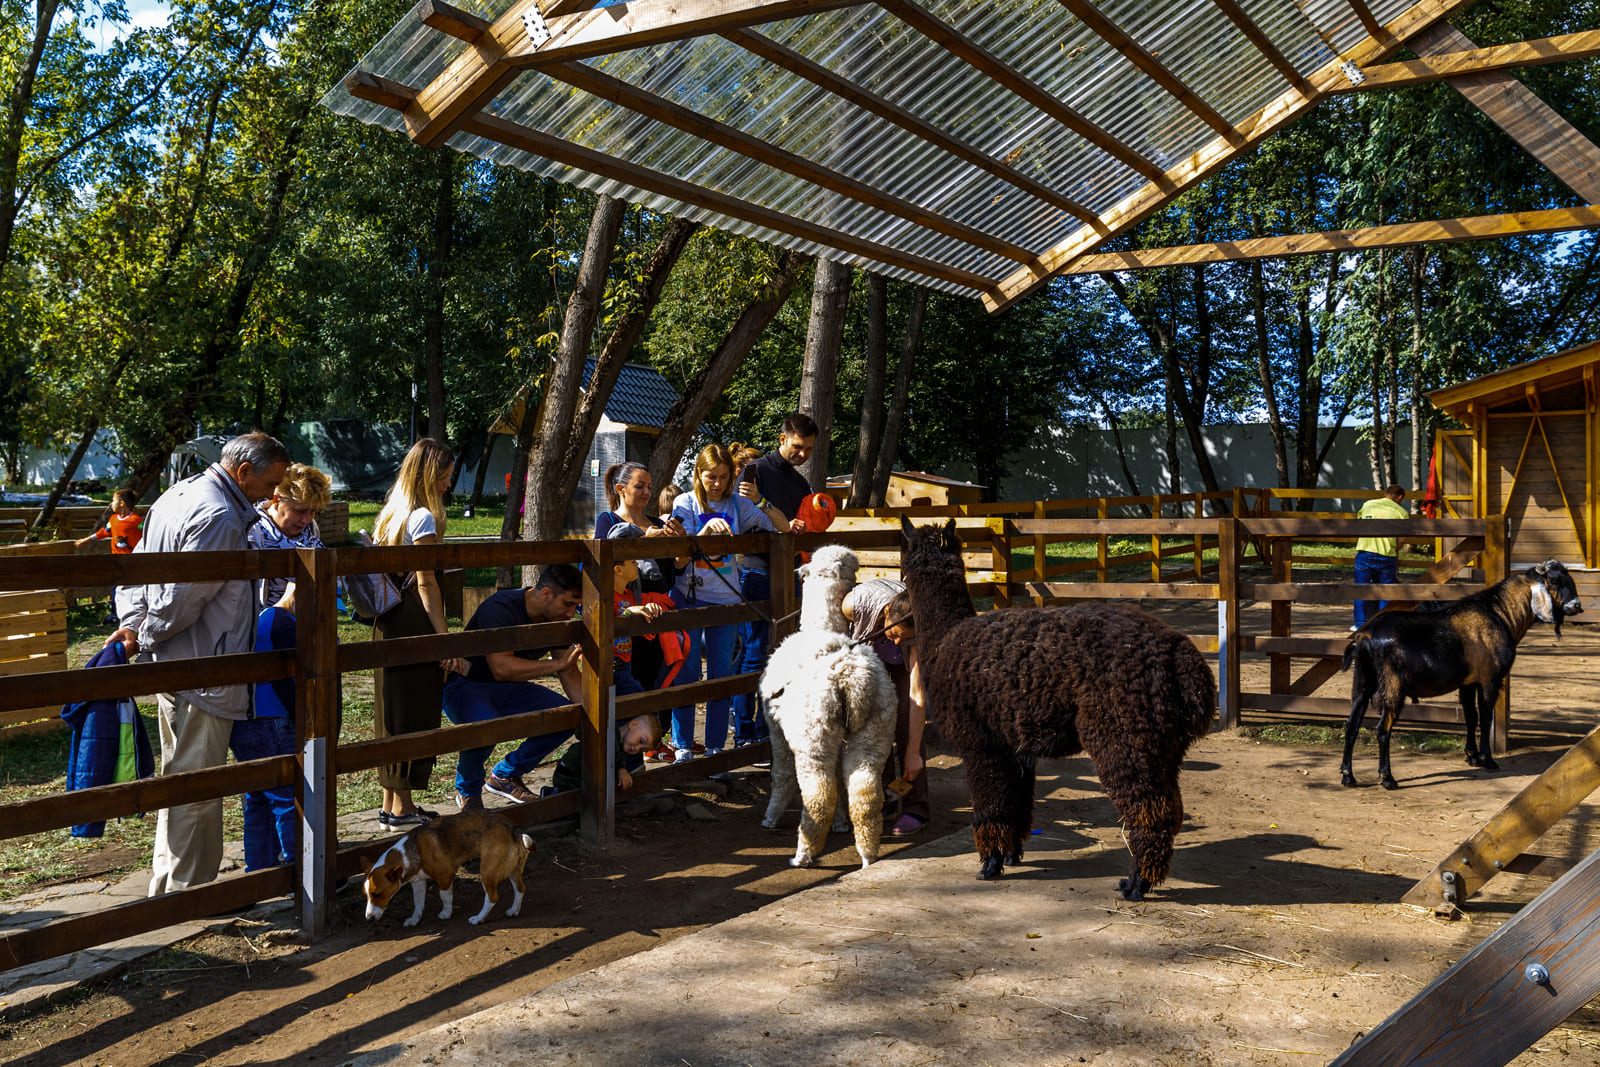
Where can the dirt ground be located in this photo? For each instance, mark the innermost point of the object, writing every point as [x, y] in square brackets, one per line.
[1278, 940]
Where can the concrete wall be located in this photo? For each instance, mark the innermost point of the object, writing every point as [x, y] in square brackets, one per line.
[1070, 462]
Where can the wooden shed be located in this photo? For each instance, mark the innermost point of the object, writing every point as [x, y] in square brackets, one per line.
[1530, 450]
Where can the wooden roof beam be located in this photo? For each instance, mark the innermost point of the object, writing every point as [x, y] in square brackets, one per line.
[1481, 227]
[968, 51]
[692, 122]
[1517, 110]
[1263, 43]
[378, 90]
[1108, 31]
[1285, 109]
[1369, 21]
[1568, 46]
[524, 37]
[795, 63]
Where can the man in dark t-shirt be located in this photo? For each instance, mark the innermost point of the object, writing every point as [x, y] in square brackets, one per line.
[774, 484]
[498, 684]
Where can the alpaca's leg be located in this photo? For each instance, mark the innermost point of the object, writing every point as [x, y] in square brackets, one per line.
[783, 781]
[1022, 813]
[1147, 798]
[994, 781]
[863, 776]
[817, 774]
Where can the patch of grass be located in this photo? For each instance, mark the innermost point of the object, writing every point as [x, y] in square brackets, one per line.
[1333, 737]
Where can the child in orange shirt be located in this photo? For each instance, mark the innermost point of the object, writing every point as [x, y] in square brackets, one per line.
[124, 527]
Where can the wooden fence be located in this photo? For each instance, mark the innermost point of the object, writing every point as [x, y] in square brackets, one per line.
[1215, 549]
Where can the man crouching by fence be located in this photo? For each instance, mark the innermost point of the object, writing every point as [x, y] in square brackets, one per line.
[209, 512]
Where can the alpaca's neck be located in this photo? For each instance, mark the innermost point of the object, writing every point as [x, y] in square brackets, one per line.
[938, 602]
[820, 607]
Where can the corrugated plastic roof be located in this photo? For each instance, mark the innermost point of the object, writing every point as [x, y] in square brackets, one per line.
[972, 147]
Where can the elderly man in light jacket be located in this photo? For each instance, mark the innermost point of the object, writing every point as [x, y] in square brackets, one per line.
[209, 512]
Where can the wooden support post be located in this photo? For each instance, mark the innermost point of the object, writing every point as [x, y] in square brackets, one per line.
[1000, 534]
[1155, 542]
[1040, 552]
[1199, 539]
[596, 731]
[1518, 984]
[1282, 551]
[1101, 513]
[1511, 830]
[1496, 567]
[784, 602]
[1228, 636]
[316, 699]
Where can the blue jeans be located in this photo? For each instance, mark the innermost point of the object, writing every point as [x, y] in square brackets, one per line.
[1374, 569]
[466, 702]
[271, 824]
[717, 644]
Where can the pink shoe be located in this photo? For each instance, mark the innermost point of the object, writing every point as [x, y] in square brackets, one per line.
[905, 826]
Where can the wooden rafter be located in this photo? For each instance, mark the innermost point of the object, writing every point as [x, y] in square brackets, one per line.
[797, 64]
[478, 73]
[1263, 43]
[970, 52]
[1114, 35]
[1369, 21]
[1397, 235]
[1568, 46]
[1529, 121]
[1289, 106]
[378, 90]
[690, 121]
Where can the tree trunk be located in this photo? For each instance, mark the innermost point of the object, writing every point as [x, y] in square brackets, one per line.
[438, 272]
[224, 336]
[1418, 461]
[68, 472]
[17, 109]
[543, 513]
[897, 406]
[1122, 452]
[608, 364]
[1269, 391]
[871, 392]
[830, 299]
[708, 384]
[482, 473]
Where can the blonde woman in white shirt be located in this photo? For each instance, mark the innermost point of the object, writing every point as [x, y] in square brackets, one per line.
[410, 699]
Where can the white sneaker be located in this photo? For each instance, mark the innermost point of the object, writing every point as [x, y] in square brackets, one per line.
[683, 755]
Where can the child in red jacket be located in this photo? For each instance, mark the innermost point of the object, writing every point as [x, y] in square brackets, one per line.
[124, 527]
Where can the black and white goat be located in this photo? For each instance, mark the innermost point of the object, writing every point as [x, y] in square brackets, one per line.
[1468, 646]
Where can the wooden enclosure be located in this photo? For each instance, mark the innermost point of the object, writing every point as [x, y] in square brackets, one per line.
[1530, 451]
[1008, 566]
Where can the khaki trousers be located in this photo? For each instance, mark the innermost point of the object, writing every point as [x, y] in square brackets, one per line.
[188, 837]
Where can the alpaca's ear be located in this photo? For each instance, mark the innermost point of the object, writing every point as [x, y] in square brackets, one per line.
[906, 528]
[950, 540]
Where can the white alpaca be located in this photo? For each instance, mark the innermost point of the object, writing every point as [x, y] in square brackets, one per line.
[831, 707]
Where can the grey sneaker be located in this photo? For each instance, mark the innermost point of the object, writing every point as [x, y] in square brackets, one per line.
[511, 788]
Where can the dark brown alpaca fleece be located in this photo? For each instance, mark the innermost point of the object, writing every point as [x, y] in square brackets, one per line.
[1011, 687]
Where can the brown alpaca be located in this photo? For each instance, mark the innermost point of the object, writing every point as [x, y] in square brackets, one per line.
[1011, 687]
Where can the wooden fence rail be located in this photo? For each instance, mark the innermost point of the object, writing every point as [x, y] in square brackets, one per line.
[994, 543]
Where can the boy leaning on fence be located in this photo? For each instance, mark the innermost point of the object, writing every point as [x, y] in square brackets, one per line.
[1378, 558]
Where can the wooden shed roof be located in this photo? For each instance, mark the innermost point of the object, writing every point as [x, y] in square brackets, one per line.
[1510, 386]
[978, 148]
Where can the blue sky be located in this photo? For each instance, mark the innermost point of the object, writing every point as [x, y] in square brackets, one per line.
[141, 14]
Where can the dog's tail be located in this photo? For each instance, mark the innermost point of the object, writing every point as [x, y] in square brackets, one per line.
[527, 842]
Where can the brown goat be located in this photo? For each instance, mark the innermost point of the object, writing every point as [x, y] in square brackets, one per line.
[1468, 646]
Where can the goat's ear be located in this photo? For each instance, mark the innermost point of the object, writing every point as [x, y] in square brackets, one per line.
[906, 528]
[1542, 569]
